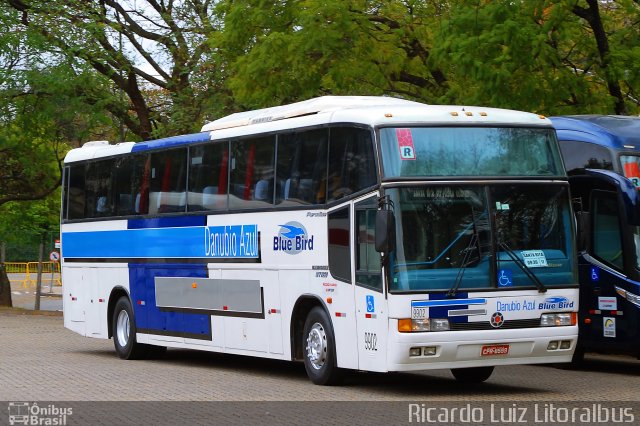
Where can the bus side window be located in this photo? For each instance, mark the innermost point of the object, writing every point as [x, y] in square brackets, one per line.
[606, 240]
[302, 167]
[584, 155]
[99, 190]
[124, 187]
[352, 165]
[208, 171]
[76, 192]
[339, 246]
[168, 181]
[368, 268]
[252, 173]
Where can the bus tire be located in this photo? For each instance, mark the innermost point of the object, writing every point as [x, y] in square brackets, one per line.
[472, 375]
[319, 349]
[124, 332]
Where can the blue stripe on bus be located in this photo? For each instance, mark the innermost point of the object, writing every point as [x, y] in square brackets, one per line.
[167, 222]
[232, 242]
[148, 316]
[135, 243]
[440, 306]
[172, 141]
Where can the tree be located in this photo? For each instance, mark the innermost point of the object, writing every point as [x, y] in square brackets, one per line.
[149, 50]
[42, 115]
[552, 56]
[5, 288]
[296, 49]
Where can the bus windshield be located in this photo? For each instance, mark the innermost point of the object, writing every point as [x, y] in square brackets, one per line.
[469, 151]
[481, 237]
[631, 168]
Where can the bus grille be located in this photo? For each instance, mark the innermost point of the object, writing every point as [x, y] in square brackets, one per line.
[485, 325]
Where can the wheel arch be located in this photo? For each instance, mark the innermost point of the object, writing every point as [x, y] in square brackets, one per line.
[116, 293]
[301, 309]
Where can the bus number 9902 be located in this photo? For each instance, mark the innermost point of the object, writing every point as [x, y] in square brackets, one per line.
[370, 341]
[419, 313]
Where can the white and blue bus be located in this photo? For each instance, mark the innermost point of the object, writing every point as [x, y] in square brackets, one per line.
[350, 233]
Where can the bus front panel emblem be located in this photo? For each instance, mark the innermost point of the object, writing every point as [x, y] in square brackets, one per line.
[497, 319]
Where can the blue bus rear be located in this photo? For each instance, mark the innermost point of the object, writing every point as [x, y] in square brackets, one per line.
[602, 157]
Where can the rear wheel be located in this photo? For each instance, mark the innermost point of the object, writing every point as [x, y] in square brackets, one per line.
[472, 375]
[320, 349]
[124, 333]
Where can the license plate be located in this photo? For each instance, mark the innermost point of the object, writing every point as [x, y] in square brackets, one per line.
[491, 350]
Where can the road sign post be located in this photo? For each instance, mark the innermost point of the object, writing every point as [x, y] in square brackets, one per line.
[54, 257]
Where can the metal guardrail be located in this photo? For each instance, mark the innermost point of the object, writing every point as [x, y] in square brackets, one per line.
[30, 272]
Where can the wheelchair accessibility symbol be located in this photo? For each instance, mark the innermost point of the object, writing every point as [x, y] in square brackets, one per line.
[370, 304]
[505, 278]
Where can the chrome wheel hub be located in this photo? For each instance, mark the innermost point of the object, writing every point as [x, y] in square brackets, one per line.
[122, 325]
[317, 346]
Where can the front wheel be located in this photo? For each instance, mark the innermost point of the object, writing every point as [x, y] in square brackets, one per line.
[320, 349]
[124, 332]
[472, 375]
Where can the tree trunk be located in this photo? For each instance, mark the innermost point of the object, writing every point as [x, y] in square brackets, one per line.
[592, 16]
[5, 288]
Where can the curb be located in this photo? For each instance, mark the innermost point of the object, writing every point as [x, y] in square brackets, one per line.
[19, 311]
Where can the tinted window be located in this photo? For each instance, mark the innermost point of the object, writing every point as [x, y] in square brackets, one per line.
[351, 162]
[583, 155]
[143, 178]
[99, 197]
[607, 244]
[208, 177]
[631, 168]
[129, 172]
[469, 151]
[368, 269]
[168, 181]
[76, 192]
[302, 168]
[339, 252]
[252, 174]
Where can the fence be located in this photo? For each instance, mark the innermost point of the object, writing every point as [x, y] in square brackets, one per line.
[26, 273]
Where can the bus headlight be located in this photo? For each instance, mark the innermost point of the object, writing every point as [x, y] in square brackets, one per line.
[633, 298]
[408, 325]
[559, 319]
[440, 324]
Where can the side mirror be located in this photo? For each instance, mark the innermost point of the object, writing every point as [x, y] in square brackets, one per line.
[583, 223]
[385, 231]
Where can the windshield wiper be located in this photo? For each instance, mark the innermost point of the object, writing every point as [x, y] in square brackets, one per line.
[467, 253]
[527, 270]
[465, 262]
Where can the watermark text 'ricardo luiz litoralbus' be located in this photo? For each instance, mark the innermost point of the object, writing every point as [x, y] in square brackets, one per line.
[521, 413]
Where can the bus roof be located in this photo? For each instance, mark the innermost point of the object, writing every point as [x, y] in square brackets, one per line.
[612, 131]
[364, 110]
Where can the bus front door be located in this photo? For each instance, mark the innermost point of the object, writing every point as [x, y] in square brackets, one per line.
[370, 301]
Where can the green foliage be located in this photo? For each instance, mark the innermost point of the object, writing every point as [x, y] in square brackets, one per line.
[538, 55]
[23, 225]
[298, 49]
[77, 70]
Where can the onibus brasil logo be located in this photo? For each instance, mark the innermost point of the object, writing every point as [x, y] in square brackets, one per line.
[292, 238]
[25, 413]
